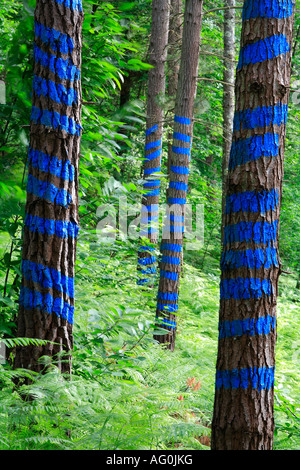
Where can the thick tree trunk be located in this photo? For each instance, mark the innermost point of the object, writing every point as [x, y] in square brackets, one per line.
[228, 93]
[172, 237]
[243, 410]
[153, 140]
[51, 223]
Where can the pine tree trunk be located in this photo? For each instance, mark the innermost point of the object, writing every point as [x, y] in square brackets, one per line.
[153, 140]
[243, 411]
[172, 237]
[46, 304]
[228, 93]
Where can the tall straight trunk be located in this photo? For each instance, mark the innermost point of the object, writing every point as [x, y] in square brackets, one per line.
[243, 411]
[228, 92]
[153, 139]
[46, 304]
[172, 237]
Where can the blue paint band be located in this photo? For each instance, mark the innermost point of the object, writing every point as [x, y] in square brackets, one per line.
[72, 4]
[176, 200]
[145, 261]
[149, 171]
[183, 137]
[252, 259]
[151, 270]
[169, 275]
[48, 277]
[248, 326]
[171, 247]
[55, 120]
[64, 68]
[167, 296]
[181, 150]
[178, 185]
[260, 378]
[251, 201]
[173, 228]
[260, 117]
[152, 145]
[152, 183]
[175, 218]
[181, 170]
[146, 248]
[153, 155]
[169, 323]
[259, 232]
[150, 208]
[182, 120]
[61, 168]
[267, 9]
[55, 91]
[48, 191]
[151, 130]
[252, 148]
[51, 227]
[245, 288]
[170, 260]
[147, 220]
[150, 193]
[30, 299]
[141, 282]
[262, 50]
[167, 308]
[58, 41]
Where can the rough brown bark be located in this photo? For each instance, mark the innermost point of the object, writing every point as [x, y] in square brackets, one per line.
[243, 411]
[51, 222]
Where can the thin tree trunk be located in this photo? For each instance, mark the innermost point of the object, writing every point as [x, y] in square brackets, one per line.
[153, 140]
[228, 93]
[243, 411]
[46, 304]
[172, 238]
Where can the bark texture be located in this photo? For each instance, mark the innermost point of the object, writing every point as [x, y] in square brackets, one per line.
[46, 304]
[243, 410]
[172, 237]
[153, 139]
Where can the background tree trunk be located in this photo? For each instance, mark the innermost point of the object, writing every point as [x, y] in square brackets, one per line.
[172, 237]
[46, 304]
[243, 410]
[153, 141]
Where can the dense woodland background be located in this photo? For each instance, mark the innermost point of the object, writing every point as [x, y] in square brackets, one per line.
[126, 392]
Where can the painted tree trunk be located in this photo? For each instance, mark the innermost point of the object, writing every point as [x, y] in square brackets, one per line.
[46, 304]
[153, 140]
[172, 237]
[243, 410]
[228, 92]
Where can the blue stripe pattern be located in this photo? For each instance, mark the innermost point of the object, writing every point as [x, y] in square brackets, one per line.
[43, 162]
[167, 296]
[55, 120]
[169, 275]
[58, 41]
[262, 50]
[149, 171]
[170, 260]
[151, 130]
[267, 9]
[152, 183]
[260, 378]
[30, 299]
[182, 120]
[167, 307]
[165, 322]
[260, 117]
[55, 91]
[48, 277]
[72, 4]
[183, 137]
[152, 145]
[150, 270]
[178, 185]
[252, 148]
[252, 259]
[51, 227]
[176, 200]
[147, 260]
[252, 201]
[245, 288]
[48, 191]
[181, 170]
[152, 192]
[181, 150]
[171, 247]
[64, 68]
[247, 326]
[259, 232]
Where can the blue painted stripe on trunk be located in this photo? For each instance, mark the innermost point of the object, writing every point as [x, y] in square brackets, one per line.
[167, 296]
[181, 150]
[176, 200]
[59, 42]
[48, 191]
[165, 322]
[145, 261]
[178, 185]
[149, 171]
[260, 378]
[182, 120]
[173, 228]
[175, 218]
[167, 308]
[151, 130]
[252, 201]
[55, 91]
[267, 9]
[259, 232]
[183, 137]
[151, 270]
[152, 145]
[171, 247]
[72, 4]
[169, 275]
[150, 184]
[181, 170]
[51, 227]
[252, 259]
[48, 164]
[170, 260]
[55, 120]
[245, 288]
[151, 192]
[252, 148]
[64, 68]
[262, 50]
[260, 117]
[30, 299]
[48, 277]
[247, 326]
